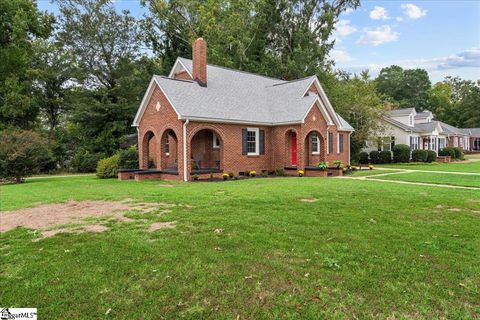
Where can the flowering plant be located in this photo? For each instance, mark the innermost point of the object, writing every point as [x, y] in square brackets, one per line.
[253, 173]
[225, 176]
[301, 173]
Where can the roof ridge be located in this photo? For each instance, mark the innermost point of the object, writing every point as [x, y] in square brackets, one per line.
[288, 82]
[236, 70]
[174, 79]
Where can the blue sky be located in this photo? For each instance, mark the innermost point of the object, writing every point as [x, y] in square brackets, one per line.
[442, 37]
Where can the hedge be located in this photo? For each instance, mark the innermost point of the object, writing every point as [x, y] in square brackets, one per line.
[385, 156]
[363, 158]
[401, 153]
[108, 167]
[375, 157]
[431, 156]
[419, 155]
[128, 159]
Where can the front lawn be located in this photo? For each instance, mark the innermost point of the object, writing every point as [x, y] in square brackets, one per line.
[436, 178]
[259, 248]
[473, 166]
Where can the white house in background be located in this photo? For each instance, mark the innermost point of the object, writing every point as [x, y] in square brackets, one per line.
[419, 131]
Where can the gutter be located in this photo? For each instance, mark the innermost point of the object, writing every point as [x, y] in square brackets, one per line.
[184, 137]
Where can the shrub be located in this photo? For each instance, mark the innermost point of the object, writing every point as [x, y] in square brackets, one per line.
[385, 156]
[252, 173]
[264, 174]
[22, 153]
[279, 172]
[128, 159]
[370, 167]
[447, 151]
[338, 164]
[401, 153]
[419, 155]
[108, 167]
[363, 158]
[85, 161]
[225, 176]
[300, 173]
[323, 165]
[374, 157]
[431, 156]
[459, 153]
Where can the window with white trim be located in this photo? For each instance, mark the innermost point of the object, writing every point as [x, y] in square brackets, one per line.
[216, 141]
[167, 145]
[414, 142]
[340, 143]
[252, 141]
[410, 120]
[315, 143]
[330, 142]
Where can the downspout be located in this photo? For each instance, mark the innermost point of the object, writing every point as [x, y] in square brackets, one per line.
[185, 178]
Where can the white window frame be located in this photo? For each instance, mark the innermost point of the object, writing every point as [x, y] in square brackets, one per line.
[318, 144]
[411, 120]
[338, 142]
[214, 142]
[257, 141]
[167, 143]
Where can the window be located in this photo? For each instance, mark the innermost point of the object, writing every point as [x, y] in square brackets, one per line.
[410, 120]
[340, 143]
[414, 141]
[315, 143]
[330, 142]
[441, 143]
[167, 145]
[252, 141]
[216, 142]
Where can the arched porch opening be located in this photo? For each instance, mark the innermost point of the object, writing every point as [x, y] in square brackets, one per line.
[291, 146]
[149, 158]
[314, 149]
[206, 151]
[169, 151]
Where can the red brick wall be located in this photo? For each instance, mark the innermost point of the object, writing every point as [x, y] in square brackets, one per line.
[182, 76]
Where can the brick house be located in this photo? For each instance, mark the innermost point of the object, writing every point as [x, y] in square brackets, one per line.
[205, 119]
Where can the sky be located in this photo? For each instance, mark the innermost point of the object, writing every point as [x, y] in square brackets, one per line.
[442, 37]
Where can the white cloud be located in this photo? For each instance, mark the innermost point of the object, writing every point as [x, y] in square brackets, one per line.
[340, 55]
[399, 19]
[377, 36]
[469, 58]
[348, 11]
[412, 11]
[344, 28]
[379, 13]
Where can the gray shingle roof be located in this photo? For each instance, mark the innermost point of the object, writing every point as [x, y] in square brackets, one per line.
[423, 115]
[474, 131]
[400, 112]
[240, 96]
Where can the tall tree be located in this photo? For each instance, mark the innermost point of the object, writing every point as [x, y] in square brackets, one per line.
[409, 88]
[21, 24]
[465, 102]
[440, 101]
[280, 38]
[110, 76]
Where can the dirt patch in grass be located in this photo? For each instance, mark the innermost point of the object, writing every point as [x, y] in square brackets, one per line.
[161, 225]
[46, 216]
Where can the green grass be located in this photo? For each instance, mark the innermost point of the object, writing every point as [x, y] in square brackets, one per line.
[453, 167]
[365, 173]
[363, 250]
[437, 178]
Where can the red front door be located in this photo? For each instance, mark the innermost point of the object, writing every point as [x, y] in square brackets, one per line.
[294, 149]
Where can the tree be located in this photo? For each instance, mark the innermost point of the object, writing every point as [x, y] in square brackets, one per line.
[286, 38]
[465, 101]
[440, 102]
[356, 100]
[22, 153]
[21, 24]
[110, 76]
[409, 88]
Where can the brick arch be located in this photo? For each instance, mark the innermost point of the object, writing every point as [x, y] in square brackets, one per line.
[313, 159]
[169, 160]
[148, 149]
[208, 157]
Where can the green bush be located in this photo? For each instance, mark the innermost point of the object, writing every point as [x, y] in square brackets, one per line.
[431, 156]
[385, 156]
[108, 167]
[128, 159]
[459, 153]
[363, 158]
[419, 155]
[85, 161]
[447, 151]
[22, 153]
[401, 153]
[375, 157]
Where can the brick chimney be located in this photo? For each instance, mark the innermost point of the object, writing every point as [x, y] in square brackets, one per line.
[199, 61]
